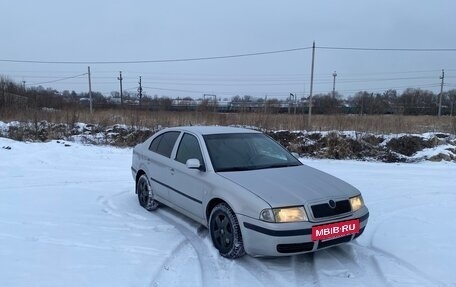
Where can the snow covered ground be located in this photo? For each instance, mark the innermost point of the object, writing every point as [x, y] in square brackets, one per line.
[69, 217]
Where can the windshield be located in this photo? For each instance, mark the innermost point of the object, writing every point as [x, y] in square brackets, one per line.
[247, 151]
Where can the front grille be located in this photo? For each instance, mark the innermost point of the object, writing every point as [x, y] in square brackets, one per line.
[339, 240]
[324, 210]
[295, 247]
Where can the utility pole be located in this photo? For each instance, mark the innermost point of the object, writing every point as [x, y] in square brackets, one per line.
[140, 91]
[289, 103]
[334, 85]
[452, 104]
[24, 89]
[309, 122]
[3, 95]
[265, 103]
[301, 100]
[293, 101]
[442, 77]
[90, 90]
[121, 92]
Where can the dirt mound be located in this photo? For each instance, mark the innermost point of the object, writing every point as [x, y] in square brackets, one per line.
[332, 145]
[409, 145]
[117, 135]
[359, 146]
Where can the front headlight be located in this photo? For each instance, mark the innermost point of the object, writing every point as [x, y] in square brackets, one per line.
[286, 214]
[356, 202]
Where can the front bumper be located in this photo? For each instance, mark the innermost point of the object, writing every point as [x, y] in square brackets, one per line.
[133, 172]
[284, 239]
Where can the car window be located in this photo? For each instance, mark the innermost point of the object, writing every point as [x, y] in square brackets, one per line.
[154, 145]
[189, 148]
[246, 151]
[164, 143]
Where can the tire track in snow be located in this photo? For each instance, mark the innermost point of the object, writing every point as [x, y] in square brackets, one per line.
[314, 270]
[211, 265]
[281, 271]
[346, 260]
[258, 268]
[392, 210]
[402, 263]
[69, 243]
[362, 268]
[174, 256]
[111, 208]
[214, 267]
[332, 270]
[375, 252]
[208, 265]
[48, 224]
[63, 183]
[304, 267]
[378, 270]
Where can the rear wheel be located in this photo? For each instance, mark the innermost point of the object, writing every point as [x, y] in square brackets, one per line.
[225, 231]
[145, 194]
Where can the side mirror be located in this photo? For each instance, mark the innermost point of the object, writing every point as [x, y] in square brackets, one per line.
[295, 154]
[193, 163]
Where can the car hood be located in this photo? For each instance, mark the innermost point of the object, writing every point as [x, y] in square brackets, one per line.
[290, 186]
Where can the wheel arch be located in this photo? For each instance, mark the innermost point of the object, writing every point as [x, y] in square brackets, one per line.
[138, 175]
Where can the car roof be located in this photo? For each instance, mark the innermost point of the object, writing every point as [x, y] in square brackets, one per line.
[208, 130]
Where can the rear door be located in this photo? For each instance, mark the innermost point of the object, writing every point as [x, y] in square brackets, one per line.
[159, 162]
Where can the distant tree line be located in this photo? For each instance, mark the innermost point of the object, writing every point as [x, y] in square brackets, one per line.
[410, 102]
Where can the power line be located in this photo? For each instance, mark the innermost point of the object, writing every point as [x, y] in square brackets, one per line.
[156, 61]
[58, 80]
[354, 80]
[231, 56]
[381, 88]
[268, 82]
[389, 49]
[242, 81]
[212, 77]
[176, 90]
[224, 84]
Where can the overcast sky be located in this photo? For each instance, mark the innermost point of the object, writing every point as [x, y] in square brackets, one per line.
[102, 30]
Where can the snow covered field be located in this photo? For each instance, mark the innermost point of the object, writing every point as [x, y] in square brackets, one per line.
[69, 217]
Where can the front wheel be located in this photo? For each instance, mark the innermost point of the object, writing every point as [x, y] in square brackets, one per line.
[145, 194]
[225, 231]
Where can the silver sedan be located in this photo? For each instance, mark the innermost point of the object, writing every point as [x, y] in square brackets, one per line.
[250, 192]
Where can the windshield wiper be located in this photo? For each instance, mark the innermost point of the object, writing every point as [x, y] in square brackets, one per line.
[237, 168]
[256, 167]
[276, 165]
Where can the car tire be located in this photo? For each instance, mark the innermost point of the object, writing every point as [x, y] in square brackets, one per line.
[145, 194]
[225, 231]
